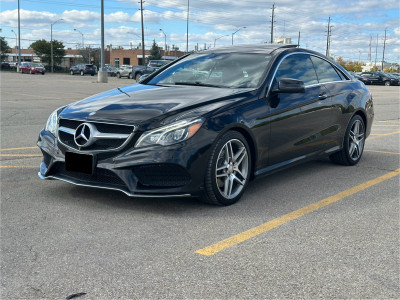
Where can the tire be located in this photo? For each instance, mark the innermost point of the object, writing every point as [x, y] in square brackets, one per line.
[72, 72]
[228, 170]
[130, 76]
[30, 72]
[118, 75]
[91, 74]
[82, 73]
[137, 76]
[387, 83]
[353, 145]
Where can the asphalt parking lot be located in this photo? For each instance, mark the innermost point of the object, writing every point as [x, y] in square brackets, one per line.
[317, 230]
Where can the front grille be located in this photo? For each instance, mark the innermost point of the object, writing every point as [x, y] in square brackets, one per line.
[101, 144]
[162, 175]
[100, 176]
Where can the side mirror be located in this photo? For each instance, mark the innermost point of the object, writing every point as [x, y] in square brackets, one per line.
[288, 85]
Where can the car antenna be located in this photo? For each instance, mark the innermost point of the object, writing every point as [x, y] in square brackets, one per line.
[122, 91]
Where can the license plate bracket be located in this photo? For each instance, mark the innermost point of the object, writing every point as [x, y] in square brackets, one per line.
[81, 163]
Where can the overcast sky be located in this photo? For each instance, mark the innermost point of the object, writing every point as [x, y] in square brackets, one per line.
[354, 23]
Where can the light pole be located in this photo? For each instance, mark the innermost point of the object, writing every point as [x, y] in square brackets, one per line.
[19, 40]
[51, 44]
[237, 31]
[215, 40]
[83, 45]
[165, 42]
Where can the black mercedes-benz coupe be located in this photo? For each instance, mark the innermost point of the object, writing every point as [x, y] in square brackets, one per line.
[206, 124]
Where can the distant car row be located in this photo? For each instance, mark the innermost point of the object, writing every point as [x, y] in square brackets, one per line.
[378, 78]
[128, 71]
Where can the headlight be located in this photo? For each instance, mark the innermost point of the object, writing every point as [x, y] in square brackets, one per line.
[170, 134]
[52, 122]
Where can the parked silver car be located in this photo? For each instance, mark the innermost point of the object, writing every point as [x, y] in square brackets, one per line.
[125, 71]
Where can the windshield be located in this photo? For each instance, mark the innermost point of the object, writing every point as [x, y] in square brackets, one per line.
[232, 70]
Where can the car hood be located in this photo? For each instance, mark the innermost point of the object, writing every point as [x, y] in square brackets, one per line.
[137, 103]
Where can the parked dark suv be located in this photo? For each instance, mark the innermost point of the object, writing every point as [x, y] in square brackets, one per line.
[378, 78]
[83, 69]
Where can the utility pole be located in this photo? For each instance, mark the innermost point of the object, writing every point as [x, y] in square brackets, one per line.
[376, 51]
[272, 23]
[298, 41]
[187, 29]
[370, 48]
[328, 36]
[384, 45]
[143, 51]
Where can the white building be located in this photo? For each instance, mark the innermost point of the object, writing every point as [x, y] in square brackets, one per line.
[283, 40]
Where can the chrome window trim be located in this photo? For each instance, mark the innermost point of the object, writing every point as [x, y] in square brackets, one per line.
[70, 130]
[309, 85]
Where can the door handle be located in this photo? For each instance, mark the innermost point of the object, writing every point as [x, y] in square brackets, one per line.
[322, 96]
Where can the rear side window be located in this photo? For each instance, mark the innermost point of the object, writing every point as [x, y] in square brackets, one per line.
[325, 71]
[297, 66]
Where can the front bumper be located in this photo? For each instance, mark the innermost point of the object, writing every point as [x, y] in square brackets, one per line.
[173, 171]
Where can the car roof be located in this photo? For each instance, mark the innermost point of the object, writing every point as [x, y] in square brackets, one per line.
[250, 48]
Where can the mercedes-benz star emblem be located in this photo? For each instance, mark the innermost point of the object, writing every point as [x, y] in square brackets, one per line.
[84, 135]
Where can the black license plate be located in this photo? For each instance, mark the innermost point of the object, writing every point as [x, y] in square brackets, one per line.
[82, 163]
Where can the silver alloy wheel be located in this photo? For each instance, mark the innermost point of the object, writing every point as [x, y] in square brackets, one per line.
[232, 169]
[356, 140]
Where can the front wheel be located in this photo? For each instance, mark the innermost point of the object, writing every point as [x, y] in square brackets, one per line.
[353, 145]
[228, 170]
[387, 83]
[72, 72]
[82, 73]
[137, 76]
[118, 75]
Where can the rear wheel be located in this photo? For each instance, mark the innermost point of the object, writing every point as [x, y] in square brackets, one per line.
[118, 75]
[72, 72]
[30, 71]
[82, 73]
[228, 170]
[387, 83]
[353, 145]
[137, 76]
[130, 76]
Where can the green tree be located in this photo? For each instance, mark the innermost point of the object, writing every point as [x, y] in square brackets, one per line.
[374, 69]
[43, 49]
[4, 48]
[90, 55]
[154, 51]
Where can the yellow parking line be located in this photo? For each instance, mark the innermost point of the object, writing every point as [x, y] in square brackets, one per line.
[385, 152]
[21, 155]
[383, 134]
[10, 149]
[8, 167]
[244, 236]
[397, 122]
[30, 96]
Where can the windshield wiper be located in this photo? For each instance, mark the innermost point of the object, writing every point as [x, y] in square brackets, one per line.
[197, 83]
